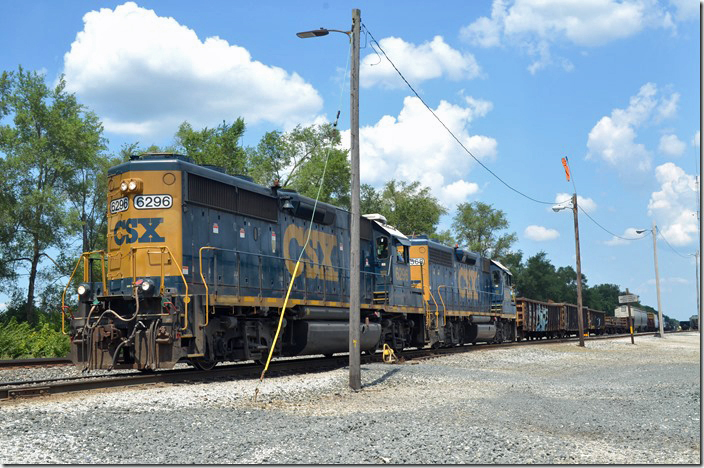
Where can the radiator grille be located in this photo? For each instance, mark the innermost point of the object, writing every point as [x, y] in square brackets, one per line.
[438, 257]
[259, 206]
[212, 193]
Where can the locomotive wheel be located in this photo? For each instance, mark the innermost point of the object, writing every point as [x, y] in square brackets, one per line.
[203, 364]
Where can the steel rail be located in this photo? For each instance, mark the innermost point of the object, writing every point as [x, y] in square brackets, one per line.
[13, 390]
[33, 362]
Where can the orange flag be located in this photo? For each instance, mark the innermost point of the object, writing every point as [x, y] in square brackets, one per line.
[567, 168]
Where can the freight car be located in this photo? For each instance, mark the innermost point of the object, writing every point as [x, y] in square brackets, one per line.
[616, 325]
[536, 320]
[642, 321]
[199, 264]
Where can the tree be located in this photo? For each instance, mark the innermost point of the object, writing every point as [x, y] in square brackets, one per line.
[477, 227]
[603, 297]
[406, 206]
[538, 279]
[216, 146]
[370, 200]
[514, 262]
[50, 138]
[297, 159]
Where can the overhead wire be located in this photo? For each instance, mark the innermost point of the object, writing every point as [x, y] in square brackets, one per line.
[375, 42]
[660, 234]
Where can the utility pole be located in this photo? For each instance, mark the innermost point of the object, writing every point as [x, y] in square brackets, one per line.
[579, 272]
[630, 317]
[699, 313]
[355, 371]
[354, 314]
[657, 279]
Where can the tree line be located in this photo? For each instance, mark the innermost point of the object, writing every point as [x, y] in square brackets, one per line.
[54, 159]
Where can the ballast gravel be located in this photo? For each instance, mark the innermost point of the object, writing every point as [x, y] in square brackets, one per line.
[610, 402]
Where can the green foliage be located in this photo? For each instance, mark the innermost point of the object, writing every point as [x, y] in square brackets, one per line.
[216, 146]
[408, 207]
[297, 159]
[603, 297]
[21, 340]
[477, 226]
[51, 149]
[537, 279]
[444, 237]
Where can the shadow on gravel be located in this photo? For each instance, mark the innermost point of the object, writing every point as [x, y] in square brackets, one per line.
[381, 379]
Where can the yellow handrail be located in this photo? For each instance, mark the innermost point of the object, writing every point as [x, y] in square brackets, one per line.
[444, 309]
[163, 248]
[85, 279]
[437, 312]
[200, 269]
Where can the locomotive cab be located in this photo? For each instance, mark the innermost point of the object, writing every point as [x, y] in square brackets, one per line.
[502, 296]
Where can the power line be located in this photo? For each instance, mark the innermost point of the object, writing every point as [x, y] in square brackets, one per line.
[670, 246]
[446, 127]
[602, 227]
[374, 41]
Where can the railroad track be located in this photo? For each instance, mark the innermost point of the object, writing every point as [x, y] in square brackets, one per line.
[34, 362]
[23, 389]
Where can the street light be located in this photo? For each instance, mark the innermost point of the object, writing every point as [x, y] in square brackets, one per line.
[354, 323]
[579, 266]
[657, 276]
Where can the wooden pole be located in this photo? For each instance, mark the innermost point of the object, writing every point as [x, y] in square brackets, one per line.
[661, 333]
[354, 348]
[630, 319]
[579, 272]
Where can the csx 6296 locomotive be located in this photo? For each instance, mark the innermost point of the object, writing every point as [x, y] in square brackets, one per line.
[199, 262]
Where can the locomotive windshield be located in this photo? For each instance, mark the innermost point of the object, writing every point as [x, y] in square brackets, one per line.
[382, 248]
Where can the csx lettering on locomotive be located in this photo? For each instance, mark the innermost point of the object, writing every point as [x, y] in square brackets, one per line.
[127, 230]
[318, 252]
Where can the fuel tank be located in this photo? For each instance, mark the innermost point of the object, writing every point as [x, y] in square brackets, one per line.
[327, 337]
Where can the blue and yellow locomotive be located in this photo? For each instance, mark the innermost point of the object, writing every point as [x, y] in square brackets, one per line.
[198, 264]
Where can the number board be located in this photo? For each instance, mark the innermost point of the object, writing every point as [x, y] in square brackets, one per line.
[119, 204]
[151, 202]
[417, 261]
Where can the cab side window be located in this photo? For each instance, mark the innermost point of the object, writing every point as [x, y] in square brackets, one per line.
[401, 254]
[497, 279]
[382, 248]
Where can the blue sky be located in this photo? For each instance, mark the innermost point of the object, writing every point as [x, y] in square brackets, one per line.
[612, 85]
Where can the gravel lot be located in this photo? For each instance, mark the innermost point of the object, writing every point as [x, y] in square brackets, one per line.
[610, 402]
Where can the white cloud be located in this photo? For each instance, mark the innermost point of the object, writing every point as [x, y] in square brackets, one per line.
[540, 233]
[565, 199]
[613, 138]
[686, 9]
[457, 192]
[671, 146]
[673, 207]
[696, 141]
[535, 25]
[145, 74]
[418, 63]
[668, 107]
[628, 235]
[415, 147]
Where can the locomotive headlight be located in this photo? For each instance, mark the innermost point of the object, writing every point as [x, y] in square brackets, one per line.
[83, 290]
[147, 286]
[123, 186]
[132, 185]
